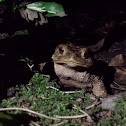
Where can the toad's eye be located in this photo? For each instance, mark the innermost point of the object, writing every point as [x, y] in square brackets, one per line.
[61, 51]
[87, 55]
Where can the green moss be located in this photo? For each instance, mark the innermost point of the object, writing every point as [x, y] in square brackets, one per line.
[36, 96]
[118, 117]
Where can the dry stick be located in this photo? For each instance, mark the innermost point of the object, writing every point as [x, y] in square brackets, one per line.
[28, 110]
[61, 123]
[116, 83]
[70, 92]
[93, 105]
[118, 88]
[70, 117]
[66, 92]
[30, 66]
[87, 115]
[35, 124]
[123, 87]
[53, 88]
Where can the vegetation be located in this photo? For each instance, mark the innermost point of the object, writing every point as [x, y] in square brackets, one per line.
[44, 97]
[41, 102]
[1, 0]
[118, 118]
[39, 97]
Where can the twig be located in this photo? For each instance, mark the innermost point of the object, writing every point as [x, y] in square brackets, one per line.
[121, 88]
[82, 111]
[34, 123]
[28, 110]
[70, 117]
[66, 92]
[53, 88]
[119, 85]
[93, 105]
[116, 83]
[70, 92]
[61, 123]
[30, 66]
[86, 114]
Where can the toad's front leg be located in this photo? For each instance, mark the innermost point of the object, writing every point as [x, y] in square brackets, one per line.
[99, 89]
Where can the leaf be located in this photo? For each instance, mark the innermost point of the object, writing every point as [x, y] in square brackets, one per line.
[118, 60]
[21, 32]
[97, 46]
[41, 65]
[52, 8]
[2, 0]
[31, 15]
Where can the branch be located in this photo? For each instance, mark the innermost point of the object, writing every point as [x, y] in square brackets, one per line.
[93, 105]
[61, 123]
[70, 117]
[66, 92]
[28, 110]
[86, 114]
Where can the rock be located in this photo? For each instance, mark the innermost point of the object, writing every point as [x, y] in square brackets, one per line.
[110, 101]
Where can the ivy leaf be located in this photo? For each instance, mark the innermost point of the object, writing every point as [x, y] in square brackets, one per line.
[51, 8]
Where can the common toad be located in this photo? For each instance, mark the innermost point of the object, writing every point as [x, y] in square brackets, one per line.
[72, 64]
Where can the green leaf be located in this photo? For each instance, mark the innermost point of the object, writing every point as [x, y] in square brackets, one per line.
[21, 32]
[51, 8]
[2, 0]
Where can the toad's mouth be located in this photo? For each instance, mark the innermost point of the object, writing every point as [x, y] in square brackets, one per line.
[74, 64]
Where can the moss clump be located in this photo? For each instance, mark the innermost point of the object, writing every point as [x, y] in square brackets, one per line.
[118, 118]
[39, 97]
